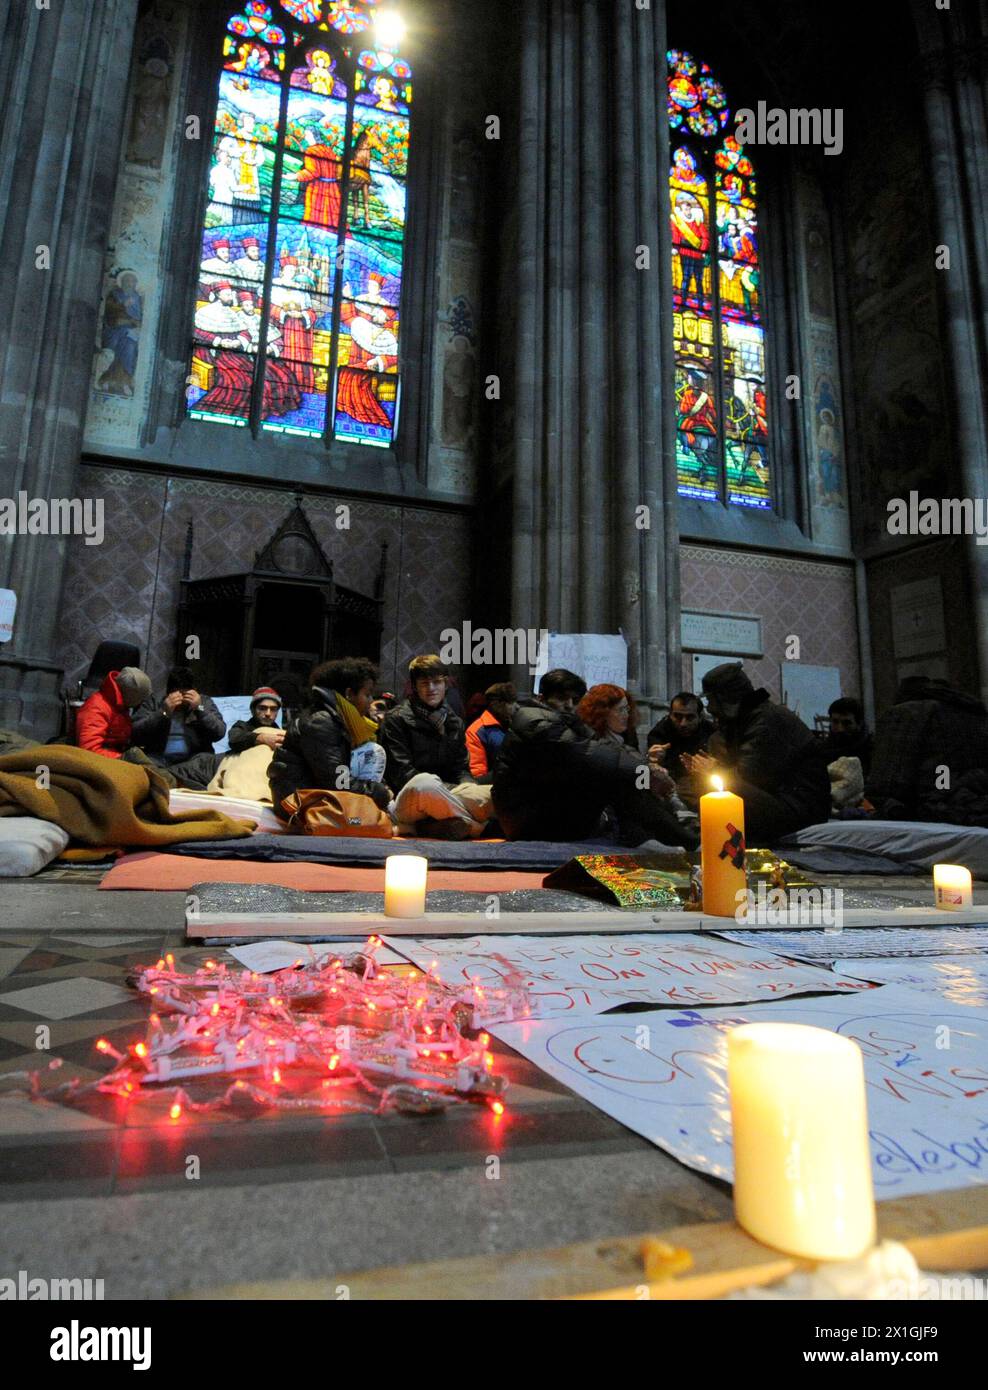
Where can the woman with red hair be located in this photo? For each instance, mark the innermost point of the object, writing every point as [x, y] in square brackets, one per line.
[611, 713]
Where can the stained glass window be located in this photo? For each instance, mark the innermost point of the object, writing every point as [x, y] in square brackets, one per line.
[297, 320]
[722, 430]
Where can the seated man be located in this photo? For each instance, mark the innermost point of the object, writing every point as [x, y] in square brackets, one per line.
[261, 729]
[848, 736]
[765, 754]
[931, 756]
[427, 760]
[554, 780]
[685, 729]
[183, 725]
[486, 734]
[104, 722]
[319, 744]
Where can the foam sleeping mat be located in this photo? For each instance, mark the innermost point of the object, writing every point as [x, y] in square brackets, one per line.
[530, 855]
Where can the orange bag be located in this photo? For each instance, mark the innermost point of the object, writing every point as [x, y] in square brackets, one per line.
[316, 812]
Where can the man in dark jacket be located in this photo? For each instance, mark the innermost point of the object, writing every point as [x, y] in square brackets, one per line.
[848, 736]
[685, 729]
[262, 726]
[318, 744]
[930, 756]
[554, 780]
[183, 724]
[766, 754]
[427, 760]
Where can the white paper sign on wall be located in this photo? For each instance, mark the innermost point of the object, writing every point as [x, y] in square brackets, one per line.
[8, 607]
[600, 658]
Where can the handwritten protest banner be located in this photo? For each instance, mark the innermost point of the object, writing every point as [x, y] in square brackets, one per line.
[590, 974]
[663, 1073]
[954, 979]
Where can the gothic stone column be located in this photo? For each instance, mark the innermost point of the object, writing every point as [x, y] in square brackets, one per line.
[64, 74]
[954, 49]
[593, 364]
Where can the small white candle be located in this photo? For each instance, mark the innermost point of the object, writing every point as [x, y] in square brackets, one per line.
[404, 885]
[802, 1164]
[952, 886]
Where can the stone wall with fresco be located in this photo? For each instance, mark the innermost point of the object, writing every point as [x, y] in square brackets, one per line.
[823, 413]
[902, 431]
[128, 588]
[901, 436]
[124, 354]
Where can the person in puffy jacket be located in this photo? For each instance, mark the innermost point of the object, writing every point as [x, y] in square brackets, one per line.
[318, 747]
[554, 779]
[766, 754]
[103, 724]
[426, 745]
[487, 733]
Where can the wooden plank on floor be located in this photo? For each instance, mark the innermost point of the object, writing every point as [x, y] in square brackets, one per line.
[945, 1231]
[357, 925]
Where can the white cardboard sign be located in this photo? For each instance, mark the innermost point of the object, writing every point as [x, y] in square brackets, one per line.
[664, 1075]
[574, 975]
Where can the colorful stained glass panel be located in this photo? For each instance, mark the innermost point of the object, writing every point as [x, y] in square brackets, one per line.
[387, 139]
[272, 273]
[747, 475]
[366, 406]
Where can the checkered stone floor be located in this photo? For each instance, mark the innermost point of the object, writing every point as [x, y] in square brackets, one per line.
[61, 990]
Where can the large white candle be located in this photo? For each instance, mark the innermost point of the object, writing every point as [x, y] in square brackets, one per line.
[952, 886]
[404, 885]
[802, 1165]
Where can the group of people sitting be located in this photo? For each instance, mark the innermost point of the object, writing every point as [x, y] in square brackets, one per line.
[564, 764]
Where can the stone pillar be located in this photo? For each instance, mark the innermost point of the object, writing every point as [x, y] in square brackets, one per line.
[954, 50]
[593, 426]
[64, 72]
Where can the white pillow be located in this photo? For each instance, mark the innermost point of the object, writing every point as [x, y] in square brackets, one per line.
[28, 844]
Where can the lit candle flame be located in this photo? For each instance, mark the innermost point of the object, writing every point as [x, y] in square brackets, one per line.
[717, 783]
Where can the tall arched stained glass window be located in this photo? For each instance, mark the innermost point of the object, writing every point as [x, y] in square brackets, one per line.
[722, 430]
[297, 318]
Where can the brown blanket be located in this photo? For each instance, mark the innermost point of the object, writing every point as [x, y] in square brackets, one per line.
[102, 801]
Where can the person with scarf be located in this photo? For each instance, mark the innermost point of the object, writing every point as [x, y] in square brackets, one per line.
[427, 762]
[332, 737]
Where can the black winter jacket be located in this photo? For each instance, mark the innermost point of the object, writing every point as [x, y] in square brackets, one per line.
[943, 728]
[769, 747]
[414, 744]
[665, 731]
[553, 778]
[316, 747]
[151, 725]
[242, 733]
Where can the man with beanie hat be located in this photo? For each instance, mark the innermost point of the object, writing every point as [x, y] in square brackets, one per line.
[765, 754]
[103, 724]
[183, 724]
[261, 729]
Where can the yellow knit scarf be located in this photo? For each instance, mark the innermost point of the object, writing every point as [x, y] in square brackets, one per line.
[358, 726]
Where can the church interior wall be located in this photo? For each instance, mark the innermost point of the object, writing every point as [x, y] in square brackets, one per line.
[128, 588]
[808, 599]
[901, 434]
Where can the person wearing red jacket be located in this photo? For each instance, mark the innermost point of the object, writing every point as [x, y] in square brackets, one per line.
[103, 724]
